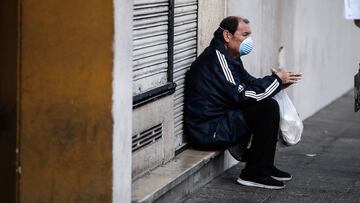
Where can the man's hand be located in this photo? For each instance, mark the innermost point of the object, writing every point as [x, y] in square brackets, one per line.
[287, 77]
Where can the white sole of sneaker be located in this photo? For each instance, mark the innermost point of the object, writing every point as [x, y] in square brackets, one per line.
[282, 179]
[254, 184]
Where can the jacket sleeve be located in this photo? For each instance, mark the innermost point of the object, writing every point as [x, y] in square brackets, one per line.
[246, 87]
[260, 88]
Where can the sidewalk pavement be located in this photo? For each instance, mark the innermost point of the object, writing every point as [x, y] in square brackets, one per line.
[325, 165]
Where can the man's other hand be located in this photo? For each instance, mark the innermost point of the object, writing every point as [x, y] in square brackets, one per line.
[287, 77]
[357, 22]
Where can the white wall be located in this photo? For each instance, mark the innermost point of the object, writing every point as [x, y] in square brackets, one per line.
[122, 101]
[318, 41]
[210, 14]
[326, 50]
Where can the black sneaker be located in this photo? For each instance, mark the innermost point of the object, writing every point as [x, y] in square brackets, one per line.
[280, 175]
[262, 182]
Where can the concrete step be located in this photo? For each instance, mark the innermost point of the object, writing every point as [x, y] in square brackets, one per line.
[171, 182]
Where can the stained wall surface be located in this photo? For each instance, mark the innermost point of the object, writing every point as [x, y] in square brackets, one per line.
[8, 97]
[65, 101]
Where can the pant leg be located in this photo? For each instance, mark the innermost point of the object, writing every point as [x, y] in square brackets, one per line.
[263, 119]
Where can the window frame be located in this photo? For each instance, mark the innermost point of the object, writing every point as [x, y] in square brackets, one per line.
[169, 87]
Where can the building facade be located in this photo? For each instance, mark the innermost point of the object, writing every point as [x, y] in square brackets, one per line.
[91, 92]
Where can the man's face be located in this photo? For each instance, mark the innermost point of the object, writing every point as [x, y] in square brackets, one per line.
[233, 41]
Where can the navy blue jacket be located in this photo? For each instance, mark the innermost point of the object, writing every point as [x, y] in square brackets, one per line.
[217, 87]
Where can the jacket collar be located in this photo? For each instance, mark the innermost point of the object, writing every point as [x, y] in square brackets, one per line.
[219, 45]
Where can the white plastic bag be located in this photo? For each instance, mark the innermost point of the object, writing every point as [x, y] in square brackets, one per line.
[291, 126]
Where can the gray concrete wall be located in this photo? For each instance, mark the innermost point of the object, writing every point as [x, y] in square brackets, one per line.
[210, 14]
[326, 50]
[317, 41]
[161, 151]
[122, 101]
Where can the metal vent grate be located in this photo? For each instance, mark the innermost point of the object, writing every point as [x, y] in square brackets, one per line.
[146, 137]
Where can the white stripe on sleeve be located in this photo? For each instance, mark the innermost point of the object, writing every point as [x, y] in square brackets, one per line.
[269, 90]
[226, 70]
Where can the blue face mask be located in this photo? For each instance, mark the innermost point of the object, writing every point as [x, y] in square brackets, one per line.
[246, 46]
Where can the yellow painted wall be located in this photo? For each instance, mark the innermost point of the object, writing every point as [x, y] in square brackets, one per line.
[65, 101]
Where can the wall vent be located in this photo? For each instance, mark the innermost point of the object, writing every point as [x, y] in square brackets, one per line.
[146, 137]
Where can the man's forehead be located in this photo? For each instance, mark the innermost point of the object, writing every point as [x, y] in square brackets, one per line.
[243, 27]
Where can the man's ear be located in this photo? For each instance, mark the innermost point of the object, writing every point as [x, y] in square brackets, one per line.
[226, 36]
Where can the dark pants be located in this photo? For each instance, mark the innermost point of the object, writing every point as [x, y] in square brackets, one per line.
[263, 119]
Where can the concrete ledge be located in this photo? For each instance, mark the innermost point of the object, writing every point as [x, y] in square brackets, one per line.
[173, 181]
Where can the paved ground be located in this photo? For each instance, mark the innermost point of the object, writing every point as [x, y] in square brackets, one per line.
[325, 165]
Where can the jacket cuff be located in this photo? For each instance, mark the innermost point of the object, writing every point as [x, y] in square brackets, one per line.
[277, 78]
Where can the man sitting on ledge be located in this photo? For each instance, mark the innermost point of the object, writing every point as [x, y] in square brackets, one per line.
[224, 104]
